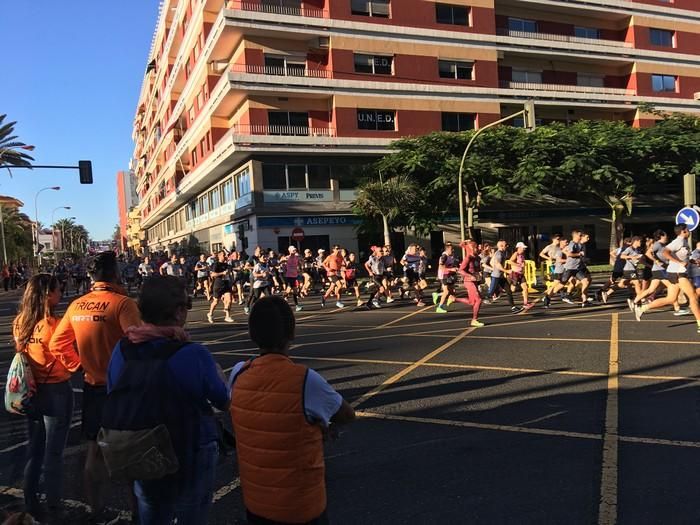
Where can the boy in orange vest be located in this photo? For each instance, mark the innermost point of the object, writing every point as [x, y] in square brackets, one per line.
[280, 412]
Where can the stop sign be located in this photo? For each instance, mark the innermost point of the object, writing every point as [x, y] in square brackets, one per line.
[297, 234]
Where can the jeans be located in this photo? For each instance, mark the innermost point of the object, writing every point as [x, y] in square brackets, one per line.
[48, 427]
[190, 500]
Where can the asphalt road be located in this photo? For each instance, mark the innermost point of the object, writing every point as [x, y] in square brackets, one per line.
[561, 416]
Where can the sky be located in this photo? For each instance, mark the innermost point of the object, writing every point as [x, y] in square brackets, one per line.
[71, 76]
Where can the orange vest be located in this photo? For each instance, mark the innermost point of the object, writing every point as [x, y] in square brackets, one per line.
[280, 455]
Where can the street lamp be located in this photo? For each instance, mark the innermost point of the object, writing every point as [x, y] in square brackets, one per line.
[36, 218]
[53, 212]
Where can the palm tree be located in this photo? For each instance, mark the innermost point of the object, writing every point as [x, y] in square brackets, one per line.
[10, 154]
[65, 226]
[386, 199]
[18, 234]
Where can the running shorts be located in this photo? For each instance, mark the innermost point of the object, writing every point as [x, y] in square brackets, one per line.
[202, 280]
[617, 275]
[378, 280]
[658, 274]
[333, 278]
[94, 398]
[351, 283]
[516, 278]
[696, 281]
[558, 277]
[222, 289]
[673, 277]
[411, 277]
[578, 274]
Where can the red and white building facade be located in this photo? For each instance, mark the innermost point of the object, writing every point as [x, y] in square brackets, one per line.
[253, 113]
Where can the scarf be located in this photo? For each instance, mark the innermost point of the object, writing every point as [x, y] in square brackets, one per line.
[148, 332]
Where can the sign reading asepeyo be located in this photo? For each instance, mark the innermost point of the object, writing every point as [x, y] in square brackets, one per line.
[690, 217]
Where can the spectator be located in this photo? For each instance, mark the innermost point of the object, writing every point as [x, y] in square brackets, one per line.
[197, 383]
[281, 412]
[49, 421]
[94, 323]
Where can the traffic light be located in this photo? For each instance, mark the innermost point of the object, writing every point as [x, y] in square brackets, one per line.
[530, 123]
[85, 168]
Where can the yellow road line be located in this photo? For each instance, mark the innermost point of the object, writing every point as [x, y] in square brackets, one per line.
[407, 316]
[396, 377]
[607, 509]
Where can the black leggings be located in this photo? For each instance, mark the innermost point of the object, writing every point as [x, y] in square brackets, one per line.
[255, 294]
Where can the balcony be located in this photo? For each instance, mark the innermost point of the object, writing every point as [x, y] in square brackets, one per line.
[293, 131]
[282, 71]
[277, 9]
[564, 88]
[503, 31]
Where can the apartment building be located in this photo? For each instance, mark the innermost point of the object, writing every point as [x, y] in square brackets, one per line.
[255, 115]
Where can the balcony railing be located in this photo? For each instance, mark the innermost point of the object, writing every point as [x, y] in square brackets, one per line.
[283, 71]
[503, 31]
[272, 129]
[565, 88]
[277, 9]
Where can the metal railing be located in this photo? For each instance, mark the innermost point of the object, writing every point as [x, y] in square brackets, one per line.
[564, 88]
[277, 9]
[504, 31]
[274, 129]
[282, 71]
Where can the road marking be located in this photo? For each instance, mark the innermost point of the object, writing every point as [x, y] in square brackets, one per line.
[26, 442]
[407, 316]
[226, 490]
[607, 510]
[396, 377]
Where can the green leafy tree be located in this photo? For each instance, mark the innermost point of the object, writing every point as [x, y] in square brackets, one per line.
[387, 199]
[12, 151]
[18, 234]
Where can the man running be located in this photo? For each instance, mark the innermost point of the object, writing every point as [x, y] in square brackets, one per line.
[574, 267]
[201, 269]
[221, 288]
[375, 269]
[411, 262]
[350, 276]
[333, 265]
[498, 277]
[89, 330]
[447, 275]
[516, 273]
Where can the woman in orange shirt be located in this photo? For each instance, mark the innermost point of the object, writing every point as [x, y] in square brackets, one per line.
[52, 406]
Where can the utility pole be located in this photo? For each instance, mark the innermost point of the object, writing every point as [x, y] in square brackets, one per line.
[2, 234]
[689, 198]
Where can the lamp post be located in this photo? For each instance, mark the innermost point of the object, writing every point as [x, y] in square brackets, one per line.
[36, 218]
[53, 212]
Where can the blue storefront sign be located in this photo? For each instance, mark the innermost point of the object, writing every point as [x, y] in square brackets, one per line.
[314, 220]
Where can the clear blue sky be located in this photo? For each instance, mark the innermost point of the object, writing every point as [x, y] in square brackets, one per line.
[71, 77]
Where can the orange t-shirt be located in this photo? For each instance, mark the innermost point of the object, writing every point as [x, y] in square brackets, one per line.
[94, 323]
[46, 367]
[333, 264]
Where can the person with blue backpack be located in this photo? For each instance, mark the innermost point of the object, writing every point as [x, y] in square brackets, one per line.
[158, 425]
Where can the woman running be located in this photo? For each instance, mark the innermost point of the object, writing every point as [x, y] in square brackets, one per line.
[447, 275]
[350, 276]
[308, 269]
[49, 421]
[658, 269]
[516, 274]
[292, 265]
[470, 270]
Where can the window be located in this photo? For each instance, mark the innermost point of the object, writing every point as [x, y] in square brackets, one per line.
[661, 37]
[373, 64]
[587, 32]
[376, 119]
[457, 121]
[194, 157]
[521, 25]
[296, 176]
[215, 198]
[589, 80]
[319, 177]
[454, 69]
[452, 14]
[242, 183]
[226, 191]
[530, 77]
[378, 8]
[274, 177]
[663, 83]
[286, 66]
[288, 123]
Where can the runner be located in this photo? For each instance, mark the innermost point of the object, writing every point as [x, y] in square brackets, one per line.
[678, 254]
[695, 268]
[145, 268]
[470, 270]
[262, 281]
[498, 277]
[658, 270]
[350, 276]
[558, 258]
[574, 266]
[447, 275]
[389, 262]
[291, 276]
[631, 256]
[333, 265]
[615, 281]
[202, 271]
[221, 288]
[308, 268]
[516, 273]
[375, 269]
[411, 262]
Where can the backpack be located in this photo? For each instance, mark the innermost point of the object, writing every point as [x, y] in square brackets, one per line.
[144, 422]
[20, 386]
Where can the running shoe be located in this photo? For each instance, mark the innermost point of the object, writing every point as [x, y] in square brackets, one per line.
[299, 308]
[638, 312]
[495, 298]
[240, 303]
[450, 300]
[389, 300]
[630, 303]
[440, 310]
[435, 297]
[323, 302]
[699, 327]
[376, 304]
[604, 297]
[681, 312]
[359, 302]
[547, 301]
[339, 305]
[420, 304]
[228, 319]
[486, 301]
[246, 310]
[476, 324]
[516, 309]
[567, 300]
[210, 319]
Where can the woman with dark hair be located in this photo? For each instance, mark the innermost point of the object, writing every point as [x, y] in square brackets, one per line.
[194, 383]
[52, 405]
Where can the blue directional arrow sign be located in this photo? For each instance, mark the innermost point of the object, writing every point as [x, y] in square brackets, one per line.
[690, 217]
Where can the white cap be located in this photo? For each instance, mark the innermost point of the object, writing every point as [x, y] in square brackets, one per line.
[521, 245]
[321, 250]
[292, 249]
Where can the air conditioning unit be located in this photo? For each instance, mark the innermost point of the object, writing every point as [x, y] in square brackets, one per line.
[322, 42]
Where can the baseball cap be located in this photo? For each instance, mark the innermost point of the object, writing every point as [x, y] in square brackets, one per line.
[521, 245]
[321, 250]
[292, 249]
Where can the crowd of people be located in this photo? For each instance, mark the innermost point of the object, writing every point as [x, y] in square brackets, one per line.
[15, 274]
